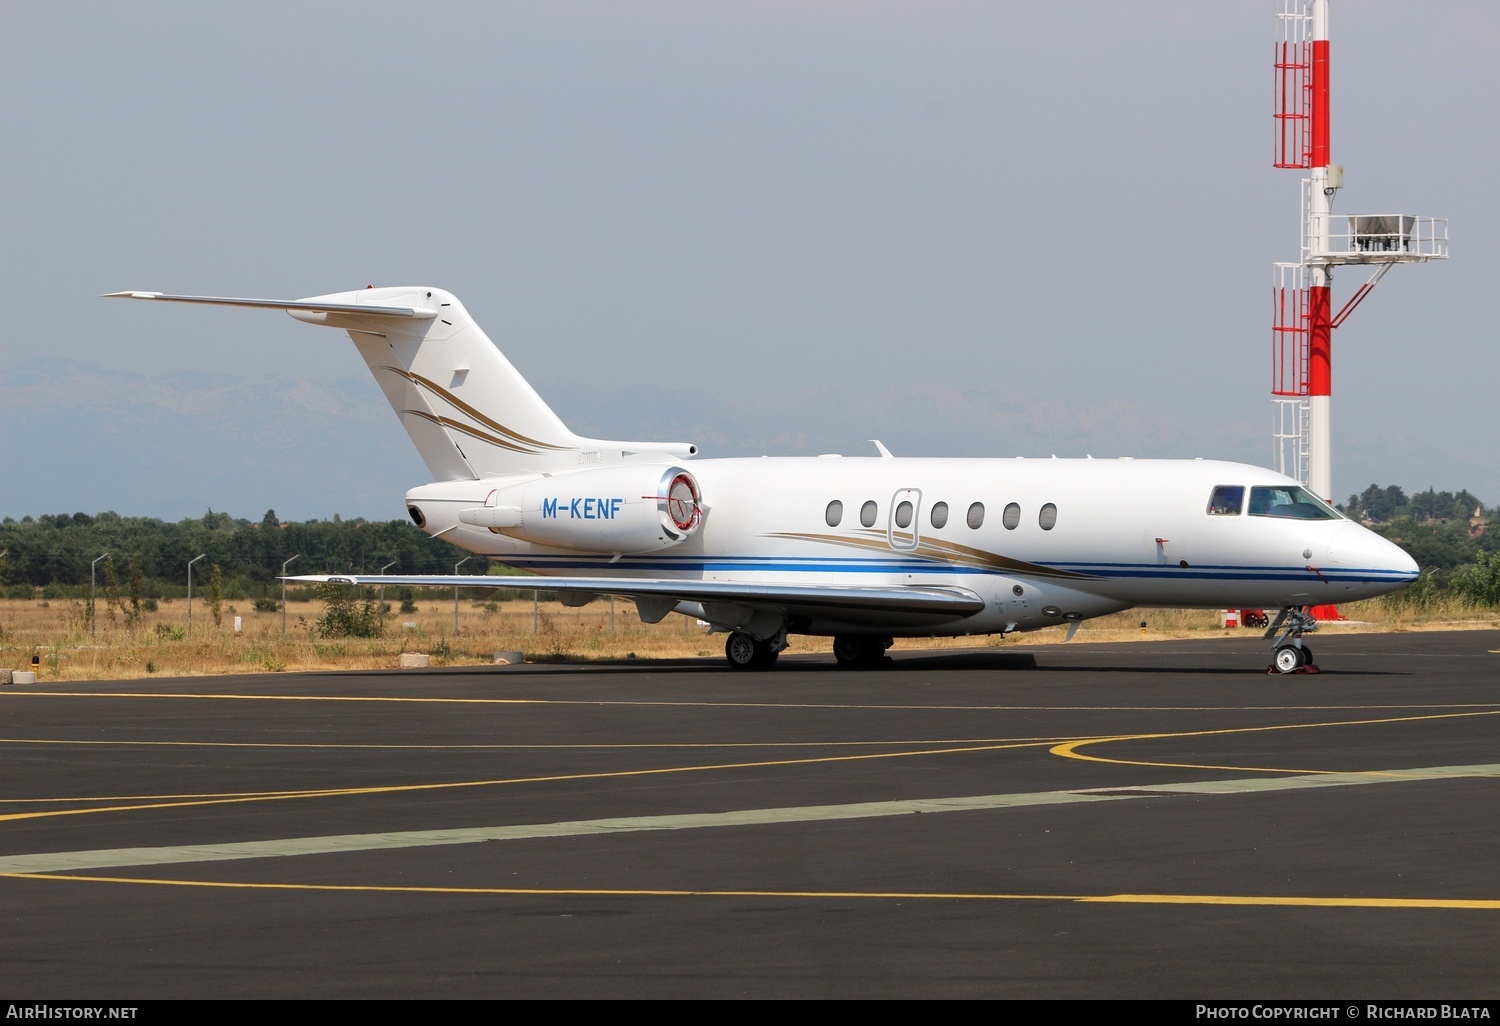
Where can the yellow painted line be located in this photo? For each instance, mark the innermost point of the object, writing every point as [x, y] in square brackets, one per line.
[441, 700]
[1489, 904]
[1282, 901]
[575, 746]
[1069, 750]
[431, 700]
[156, 797]
[263, 796]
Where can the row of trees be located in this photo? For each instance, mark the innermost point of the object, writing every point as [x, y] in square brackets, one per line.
[1382, 505]
[150, 556]
[1445, 532]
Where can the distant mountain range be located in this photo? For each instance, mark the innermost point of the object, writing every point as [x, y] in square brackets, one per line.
[81, 437]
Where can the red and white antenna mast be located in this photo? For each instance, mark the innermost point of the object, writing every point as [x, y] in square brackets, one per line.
[1302, 334]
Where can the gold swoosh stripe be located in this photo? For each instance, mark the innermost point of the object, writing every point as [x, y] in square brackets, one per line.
[455, 401]
[449, 422]
[939, 552]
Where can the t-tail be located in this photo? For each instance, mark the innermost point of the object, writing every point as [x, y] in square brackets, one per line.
[467, 409]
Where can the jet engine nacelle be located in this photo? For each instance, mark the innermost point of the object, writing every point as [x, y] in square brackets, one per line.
[623, 509]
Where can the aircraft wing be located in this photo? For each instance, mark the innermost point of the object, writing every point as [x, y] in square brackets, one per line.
[306, 305]
[931, 603]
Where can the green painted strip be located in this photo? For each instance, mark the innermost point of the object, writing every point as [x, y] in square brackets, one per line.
[55, 862]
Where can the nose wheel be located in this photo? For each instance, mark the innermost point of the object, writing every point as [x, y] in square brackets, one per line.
[1291, 655]
[1293, 659]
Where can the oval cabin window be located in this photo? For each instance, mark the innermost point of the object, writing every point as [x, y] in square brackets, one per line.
[835, 513]
[903, 514]
[1011, 518]
[940, 515]
[867, 513]
[976, 515]
[1048, 517]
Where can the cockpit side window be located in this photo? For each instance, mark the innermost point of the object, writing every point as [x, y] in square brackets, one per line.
[1226, 501]
[1290, 502]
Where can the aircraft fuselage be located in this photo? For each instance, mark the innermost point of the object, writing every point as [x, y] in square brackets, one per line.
[1042, 541]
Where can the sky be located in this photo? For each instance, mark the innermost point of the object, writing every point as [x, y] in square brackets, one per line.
[968, 229]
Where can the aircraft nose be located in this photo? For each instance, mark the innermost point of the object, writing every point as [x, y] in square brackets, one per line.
[1358, 548]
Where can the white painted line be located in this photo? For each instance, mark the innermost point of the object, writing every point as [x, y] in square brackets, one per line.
[72, 861]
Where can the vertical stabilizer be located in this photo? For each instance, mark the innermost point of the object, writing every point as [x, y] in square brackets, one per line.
[468, 411]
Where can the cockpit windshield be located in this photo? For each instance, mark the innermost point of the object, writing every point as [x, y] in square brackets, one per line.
[1291, 502]
[1226, 501]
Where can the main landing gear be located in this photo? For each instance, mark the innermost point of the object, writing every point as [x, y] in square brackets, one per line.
[1292, 656]
[747, 652]
[855, 650]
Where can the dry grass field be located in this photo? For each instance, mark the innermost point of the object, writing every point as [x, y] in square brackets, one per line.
[58, 635]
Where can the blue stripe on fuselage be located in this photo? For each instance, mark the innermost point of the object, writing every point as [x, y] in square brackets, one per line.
[868, 566]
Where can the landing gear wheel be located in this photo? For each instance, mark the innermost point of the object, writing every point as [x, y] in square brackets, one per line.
[745, 652]
[1288, 659]
[848, 649]
[853, 650]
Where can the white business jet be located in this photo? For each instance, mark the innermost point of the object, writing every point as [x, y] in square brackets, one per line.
[862, 549]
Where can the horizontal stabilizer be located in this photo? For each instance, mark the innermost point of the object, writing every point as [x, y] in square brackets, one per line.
[309, 306]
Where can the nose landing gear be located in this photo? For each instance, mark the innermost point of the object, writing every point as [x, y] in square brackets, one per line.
[1292, 656]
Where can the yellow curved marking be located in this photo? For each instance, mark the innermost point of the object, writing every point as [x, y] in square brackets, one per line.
[1069, 750]
[167, 802]
[1284, 901]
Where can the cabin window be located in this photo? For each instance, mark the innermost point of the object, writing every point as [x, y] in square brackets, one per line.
[835, 513]
[976, 515]
[1047, 518]
[903, 514]
[940, 515]
[1226, 501]
[1011, 518]
[867, 513]
[1291, 502]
